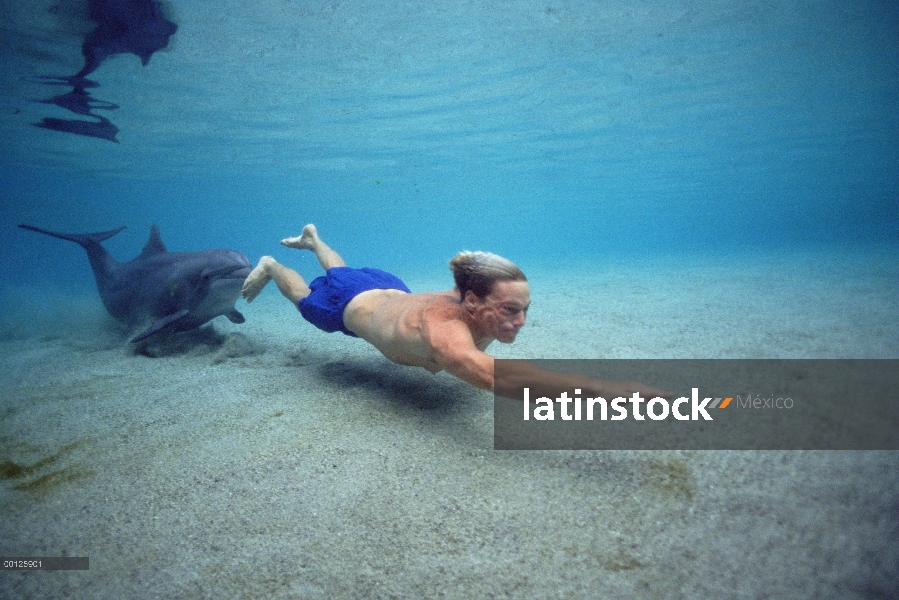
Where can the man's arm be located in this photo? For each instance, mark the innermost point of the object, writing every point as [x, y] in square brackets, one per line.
[542, 382]
[455, 351]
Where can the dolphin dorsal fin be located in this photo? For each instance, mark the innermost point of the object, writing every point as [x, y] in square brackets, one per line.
[154, 244]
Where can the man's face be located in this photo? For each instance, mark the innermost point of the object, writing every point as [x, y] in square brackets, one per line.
[504, 310]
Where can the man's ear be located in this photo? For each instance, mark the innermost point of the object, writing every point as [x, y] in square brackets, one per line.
[471, 299]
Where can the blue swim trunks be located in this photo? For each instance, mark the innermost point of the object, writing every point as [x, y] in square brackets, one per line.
[323, 307]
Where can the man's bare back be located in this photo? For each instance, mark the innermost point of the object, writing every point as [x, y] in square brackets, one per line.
[402, 326]
[391, 321]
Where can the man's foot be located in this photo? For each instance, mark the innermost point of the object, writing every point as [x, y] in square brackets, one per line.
[257, 279]
[307, 241]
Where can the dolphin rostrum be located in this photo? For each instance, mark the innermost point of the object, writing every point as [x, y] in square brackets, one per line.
[177, 290]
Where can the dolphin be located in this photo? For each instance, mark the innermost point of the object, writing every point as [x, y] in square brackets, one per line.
[177, 290]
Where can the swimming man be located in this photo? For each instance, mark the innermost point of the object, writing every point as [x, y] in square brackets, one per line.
[440, 331]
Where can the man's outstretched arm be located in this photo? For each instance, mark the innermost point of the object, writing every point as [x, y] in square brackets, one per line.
[454, 350]
[456, 353]
[518, 375]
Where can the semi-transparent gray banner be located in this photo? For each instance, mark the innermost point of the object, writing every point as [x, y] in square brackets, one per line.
[751, 404]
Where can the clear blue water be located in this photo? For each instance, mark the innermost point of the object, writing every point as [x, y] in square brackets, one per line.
[548, 132]
[554, 132]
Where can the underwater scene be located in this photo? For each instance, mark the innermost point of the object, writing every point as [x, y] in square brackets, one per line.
[674, 180]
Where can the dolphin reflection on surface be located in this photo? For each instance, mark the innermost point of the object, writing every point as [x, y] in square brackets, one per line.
[121, 27]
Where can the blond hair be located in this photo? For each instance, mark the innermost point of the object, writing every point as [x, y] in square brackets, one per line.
[478, 271]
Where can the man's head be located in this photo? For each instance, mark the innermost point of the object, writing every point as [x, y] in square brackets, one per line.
[493, 291]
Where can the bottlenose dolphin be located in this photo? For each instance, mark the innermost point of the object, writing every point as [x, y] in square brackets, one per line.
[177, 290]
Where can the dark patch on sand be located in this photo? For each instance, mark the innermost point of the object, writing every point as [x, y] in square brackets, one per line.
[34, 477]
[200, 342]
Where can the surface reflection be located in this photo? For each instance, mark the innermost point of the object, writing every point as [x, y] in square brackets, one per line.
[136, 27]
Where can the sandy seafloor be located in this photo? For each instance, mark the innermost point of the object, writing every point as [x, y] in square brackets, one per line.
[271, 460]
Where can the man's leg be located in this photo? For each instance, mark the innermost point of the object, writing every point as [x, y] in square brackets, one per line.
[289, 282]
[309, 240]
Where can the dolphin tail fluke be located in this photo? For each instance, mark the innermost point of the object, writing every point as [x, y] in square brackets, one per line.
[84, 239]
[101, 261]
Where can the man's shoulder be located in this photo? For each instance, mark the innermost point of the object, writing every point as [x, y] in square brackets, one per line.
[443, 324]
[442, 306]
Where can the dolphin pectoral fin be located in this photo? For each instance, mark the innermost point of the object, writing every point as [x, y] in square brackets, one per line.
[159, 324]
[235, 317]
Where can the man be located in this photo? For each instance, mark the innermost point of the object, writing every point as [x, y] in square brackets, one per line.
[439, 330]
